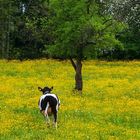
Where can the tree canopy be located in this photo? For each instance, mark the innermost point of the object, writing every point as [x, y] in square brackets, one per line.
[80, 26]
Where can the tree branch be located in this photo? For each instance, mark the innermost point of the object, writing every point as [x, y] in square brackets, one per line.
[73, 63]
[107, 20]
[107, 26]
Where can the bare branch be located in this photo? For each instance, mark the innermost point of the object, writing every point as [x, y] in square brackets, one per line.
[73, 64]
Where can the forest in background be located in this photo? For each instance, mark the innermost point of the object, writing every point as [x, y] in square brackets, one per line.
[83, 29]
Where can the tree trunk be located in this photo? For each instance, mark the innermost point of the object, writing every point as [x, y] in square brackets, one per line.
[78, 74]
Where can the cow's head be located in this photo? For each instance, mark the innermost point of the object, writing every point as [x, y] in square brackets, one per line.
[45, 90]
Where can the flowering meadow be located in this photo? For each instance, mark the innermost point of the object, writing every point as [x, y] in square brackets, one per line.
[108, 109]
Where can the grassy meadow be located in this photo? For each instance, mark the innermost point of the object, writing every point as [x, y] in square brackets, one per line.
[109, 108]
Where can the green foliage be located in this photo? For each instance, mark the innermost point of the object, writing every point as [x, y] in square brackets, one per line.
[127, 11]
[77, 31]
[130, 39]
[62, 29]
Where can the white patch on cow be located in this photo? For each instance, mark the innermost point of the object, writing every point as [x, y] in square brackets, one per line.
[43, 96]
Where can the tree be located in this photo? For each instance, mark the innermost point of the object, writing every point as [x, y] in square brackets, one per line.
[29, 37]
[7, 8]
[78, 26]
[127, 11]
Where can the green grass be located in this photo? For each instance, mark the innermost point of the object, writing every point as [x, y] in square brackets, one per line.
[107, 110]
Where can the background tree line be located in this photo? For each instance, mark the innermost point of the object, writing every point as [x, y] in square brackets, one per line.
[106, 29]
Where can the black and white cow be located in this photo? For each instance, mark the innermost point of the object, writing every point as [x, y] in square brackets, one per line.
[49, 104]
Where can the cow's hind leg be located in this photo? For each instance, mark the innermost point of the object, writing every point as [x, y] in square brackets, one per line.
[55, 118]
[46, 115]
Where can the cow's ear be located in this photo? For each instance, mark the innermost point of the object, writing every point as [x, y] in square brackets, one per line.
[51, 88]
[39, 88]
